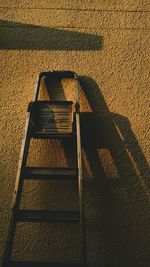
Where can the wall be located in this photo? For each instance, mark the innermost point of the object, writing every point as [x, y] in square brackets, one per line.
[107, 44]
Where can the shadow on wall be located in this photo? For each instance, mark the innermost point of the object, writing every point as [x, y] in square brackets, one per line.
[112, 132]
[119, 177]
[116, 175]
[18, 36]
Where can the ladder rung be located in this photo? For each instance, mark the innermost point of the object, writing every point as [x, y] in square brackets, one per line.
[42, 264]
[50, 173]
[47, 216]
[36, 135]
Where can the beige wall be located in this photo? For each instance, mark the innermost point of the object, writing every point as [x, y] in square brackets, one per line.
[107, 43]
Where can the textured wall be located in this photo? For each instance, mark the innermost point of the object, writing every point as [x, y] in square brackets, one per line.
[108, 44]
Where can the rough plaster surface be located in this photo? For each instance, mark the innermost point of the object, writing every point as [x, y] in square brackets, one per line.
[108, 46]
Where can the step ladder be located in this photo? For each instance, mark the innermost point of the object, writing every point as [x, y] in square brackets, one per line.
[49, 120]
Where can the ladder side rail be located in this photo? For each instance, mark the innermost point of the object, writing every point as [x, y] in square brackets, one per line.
[24, 149]
[18, 183]
[81, 183]
[37, 87]
[81, 195]
[76, 90]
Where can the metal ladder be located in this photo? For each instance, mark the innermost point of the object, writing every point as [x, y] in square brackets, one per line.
[48, 120]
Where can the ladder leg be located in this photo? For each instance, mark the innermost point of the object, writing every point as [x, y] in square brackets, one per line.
[18, 184]
[16, 195]
[9, 241]
[81, 196]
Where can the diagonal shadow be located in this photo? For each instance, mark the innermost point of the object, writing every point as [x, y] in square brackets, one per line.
[19, 36]
[117, 200]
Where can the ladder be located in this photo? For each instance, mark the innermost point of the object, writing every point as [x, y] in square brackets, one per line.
[48, 120]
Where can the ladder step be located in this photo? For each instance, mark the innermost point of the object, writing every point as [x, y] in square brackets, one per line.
[50, 117]
[42, 264]
[47, 216]
[50, 173]
[40, 135]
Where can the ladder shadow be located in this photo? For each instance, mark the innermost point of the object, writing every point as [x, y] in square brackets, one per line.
[117, 187]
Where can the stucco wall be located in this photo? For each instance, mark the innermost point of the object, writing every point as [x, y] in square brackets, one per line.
[107, 43]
